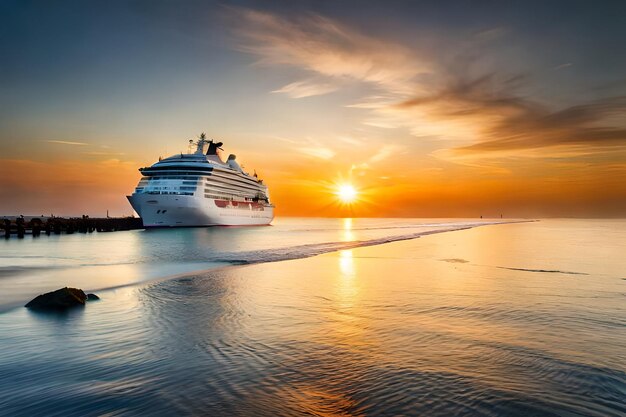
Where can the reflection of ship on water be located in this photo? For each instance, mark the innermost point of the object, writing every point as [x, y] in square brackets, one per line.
[199, 189]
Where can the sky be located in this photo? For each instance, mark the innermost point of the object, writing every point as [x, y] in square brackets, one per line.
[428, 108]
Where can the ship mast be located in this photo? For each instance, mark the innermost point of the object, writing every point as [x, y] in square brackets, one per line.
[200, 144]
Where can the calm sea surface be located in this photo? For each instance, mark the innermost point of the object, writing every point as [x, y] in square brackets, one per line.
[515, 319]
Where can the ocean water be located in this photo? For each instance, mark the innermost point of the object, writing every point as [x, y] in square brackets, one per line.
[107, 260]
[394, 317]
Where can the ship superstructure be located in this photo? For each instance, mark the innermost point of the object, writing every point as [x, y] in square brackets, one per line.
[199, 189]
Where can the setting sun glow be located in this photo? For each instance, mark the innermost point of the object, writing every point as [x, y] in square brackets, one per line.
[347, 193]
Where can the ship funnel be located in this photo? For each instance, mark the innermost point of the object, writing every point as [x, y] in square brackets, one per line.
[213, 147]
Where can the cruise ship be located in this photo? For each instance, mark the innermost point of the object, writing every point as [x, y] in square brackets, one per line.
[199, 189]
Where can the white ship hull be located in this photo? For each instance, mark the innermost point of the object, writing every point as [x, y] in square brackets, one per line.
[189, 211]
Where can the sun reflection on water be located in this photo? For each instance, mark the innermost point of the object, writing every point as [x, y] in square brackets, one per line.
[347, 287]
[347, 234]
[346, 263]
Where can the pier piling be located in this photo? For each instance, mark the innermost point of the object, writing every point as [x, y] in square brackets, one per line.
[18, 226]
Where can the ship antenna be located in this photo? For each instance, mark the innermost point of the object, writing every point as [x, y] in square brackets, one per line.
[200, 144]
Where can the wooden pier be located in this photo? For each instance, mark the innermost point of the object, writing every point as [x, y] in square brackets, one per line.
[36, 226]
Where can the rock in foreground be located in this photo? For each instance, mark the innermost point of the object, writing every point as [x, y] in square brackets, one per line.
[58, 300]
[92, 297]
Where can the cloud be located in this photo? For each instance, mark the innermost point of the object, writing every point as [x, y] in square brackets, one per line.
[584, 126]
[283, 139]
[558, 67]
[449, 100]
[489, 35]
[374, 102]
[64, 142]
[352, 141]
[323, 46]
[96, 153]
[307, 88]
[384, 152]
[318, 152]
[498, 120]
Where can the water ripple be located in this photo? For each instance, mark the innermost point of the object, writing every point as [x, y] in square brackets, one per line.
[408, 335]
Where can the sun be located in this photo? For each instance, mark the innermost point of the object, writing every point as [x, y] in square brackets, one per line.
[347, 193]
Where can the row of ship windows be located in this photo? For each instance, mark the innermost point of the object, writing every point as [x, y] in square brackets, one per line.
[182, 176]
[174, 174]
[185, 188]
[141, 187]
[235, 178]
[231, 197]
[179, 177]
[158, 182]
[156, 190]
[230, 189]
[225, 192]
[154, 181]
[169, 192]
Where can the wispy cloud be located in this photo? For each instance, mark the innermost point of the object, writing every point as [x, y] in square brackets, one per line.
[498, 120]
[318, 152]
[488, 35]
[97, 153]
[325, 47]
[567, 64]
[350, 140]
[374, 102]
[307, 88]
[464, 111]
[65, 142]
[384, 152]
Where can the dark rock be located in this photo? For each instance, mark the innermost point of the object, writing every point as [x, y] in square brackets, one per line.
[58, 300]
[92, 297]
